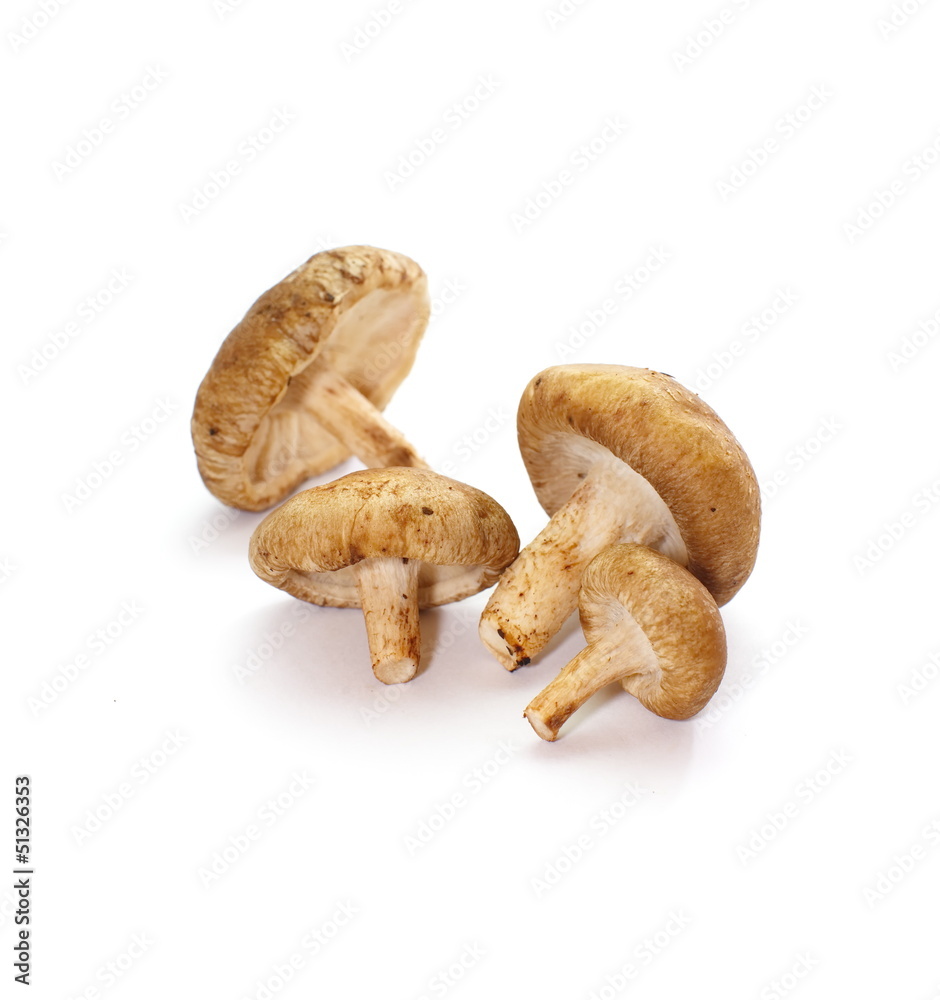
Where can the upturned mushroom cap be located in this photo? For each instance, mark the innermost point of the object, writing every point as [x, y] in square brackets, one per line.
[310, 546]
[649, 625]
[571, 417]
[359, 312]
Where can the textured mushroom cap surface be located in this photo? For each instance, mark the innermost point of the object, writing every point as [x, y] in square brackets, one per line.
[462, 537]
[359, 310]
[572, 416]
[677, 615]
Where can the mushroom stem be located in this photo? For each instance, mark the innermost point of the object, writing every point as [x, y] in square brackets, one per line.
[351, 418]
[538, 592]
[388, 589]
[596, 666]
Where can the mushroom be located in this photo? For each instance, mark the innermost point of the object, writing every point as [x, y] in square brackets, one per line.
[299, 384]
[650, 625]
[620, 454]
[389, 541]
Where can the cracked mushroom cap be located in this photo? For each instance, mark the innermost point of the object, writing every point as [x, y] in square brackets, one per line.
[357, 311]
[677, 448]
[311, 544]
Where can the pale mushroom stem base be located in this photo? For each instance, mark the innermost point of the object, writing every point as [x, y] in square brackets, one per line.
[595, 667]
[539, 591]
[388, 589]
[343, 411]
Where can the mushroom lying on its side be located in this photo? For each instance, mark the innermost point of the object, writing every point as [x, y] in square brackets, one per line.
[389, 541]
[298, 385]
[650, 625]
[620, 454]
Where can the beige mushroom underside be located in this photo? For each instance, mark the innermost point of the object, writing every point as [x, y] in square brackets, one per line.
[345, 324]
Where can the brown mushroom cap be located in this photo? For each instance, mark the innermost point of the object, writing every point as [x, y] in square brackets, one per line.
[309, 546]
[677, 615]
[360, 312]
[650, 625]
[573, 416]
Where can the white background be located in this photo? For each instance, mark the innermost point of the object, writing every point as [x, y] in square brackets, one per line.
[783, 837]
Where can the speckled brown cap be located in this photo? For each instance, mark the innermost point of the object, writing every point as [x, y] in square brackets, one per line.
[355, 314]
[461, 537]
[390, 541]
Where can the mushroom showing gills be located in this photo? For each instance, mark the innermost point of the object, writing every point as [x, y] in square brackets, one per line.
[650, 625]
[619, 454]
[390, 541]
[298, 385]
